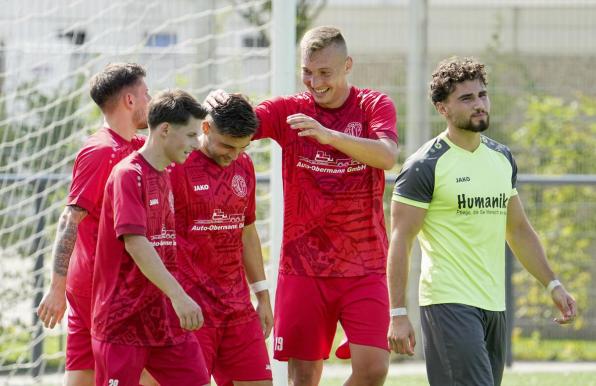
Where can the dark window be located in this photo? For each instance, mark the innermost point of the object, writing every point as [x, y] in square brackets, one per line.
[76, 36]
[257, 40]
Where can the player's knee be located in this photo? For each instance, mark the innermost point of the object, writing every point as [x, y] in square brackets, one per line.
[304, 376]
[304, 373]
[304, 379]
[254, 383]
[371, 375]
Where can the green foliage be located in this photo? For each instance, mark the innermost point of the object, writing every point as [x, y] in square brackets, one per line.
[48, 119]
[509, 81]
[559, 137]
[39, 134]
[39, 141]
[17, 349]
[535, 348]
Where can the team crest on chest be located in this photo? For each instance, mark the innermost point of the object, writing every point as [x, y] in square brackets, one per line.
[239, 186]
[354, 128]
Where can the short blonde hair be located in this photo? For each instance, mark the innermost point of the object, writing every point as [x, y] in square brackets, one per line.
[322, 37]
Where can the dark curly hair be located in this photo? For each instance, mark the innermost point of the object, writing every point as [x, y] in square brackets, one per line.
[451, 71]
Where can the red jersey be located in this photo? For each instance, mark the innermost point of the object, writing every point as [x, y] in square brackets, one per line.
[127, 307]
[212, 206]
[92, 166]
[333, 205]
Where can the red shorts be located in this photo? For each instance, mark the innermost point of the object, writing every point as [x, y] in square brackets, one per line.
[180, 364]
[235, 353]
[79, 354]
[307, 310]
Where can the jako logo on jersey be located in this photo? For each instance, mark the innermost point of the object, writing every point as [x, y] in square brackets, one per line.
[153, 201]
[354, 128]
[462, 179]
[279, 343]
[198, 188]
[239, 186]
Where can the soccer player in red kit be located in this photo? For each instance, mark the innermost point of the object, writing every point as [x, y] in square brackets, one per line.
[336, 139]
[140, 311]
[121, 93]
[219, 248]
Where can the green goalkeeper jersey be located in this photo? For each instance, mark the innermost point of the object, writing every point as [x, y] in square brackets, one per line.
[463, 236]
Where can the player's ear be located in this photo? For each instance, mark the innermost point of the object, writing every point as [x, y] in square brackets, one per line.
[205, 126]
[348, 64]
[164, 128]
[441, 109]
[127, 99]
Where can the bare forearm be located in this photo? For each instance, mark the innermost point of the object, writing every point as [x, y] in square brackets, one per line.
[381, 154]
[253, 262]
[406, 222]
[398, 268]
[526, 246]
[66, 237]
[251, 254]
[524, 242]
[151, 265]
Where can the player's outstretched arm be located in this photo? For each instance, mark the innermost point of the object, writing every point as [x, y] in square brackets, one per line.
[149, 262]
[378, 153]
[53, 305]
[255, 273]
[406, 222]
[526, 246]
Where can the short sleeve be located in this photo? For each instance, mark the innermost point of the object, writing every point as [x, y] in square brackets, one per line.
[382, 118]
[90, 174]
[415, 183]
[130, 212]
[272, 116]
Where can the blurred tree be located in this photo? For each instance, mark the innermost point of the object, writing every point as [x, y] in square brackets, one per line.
[306, 12]
[39, 135]
[559, 137]
[40, 140]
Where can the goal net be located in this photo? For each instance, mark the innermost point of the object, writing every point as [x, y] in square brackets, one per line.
[48, 51]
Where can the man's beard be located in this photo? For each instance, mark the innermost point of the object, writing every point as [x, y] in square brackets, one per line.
[140, 119]
[478, 127]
